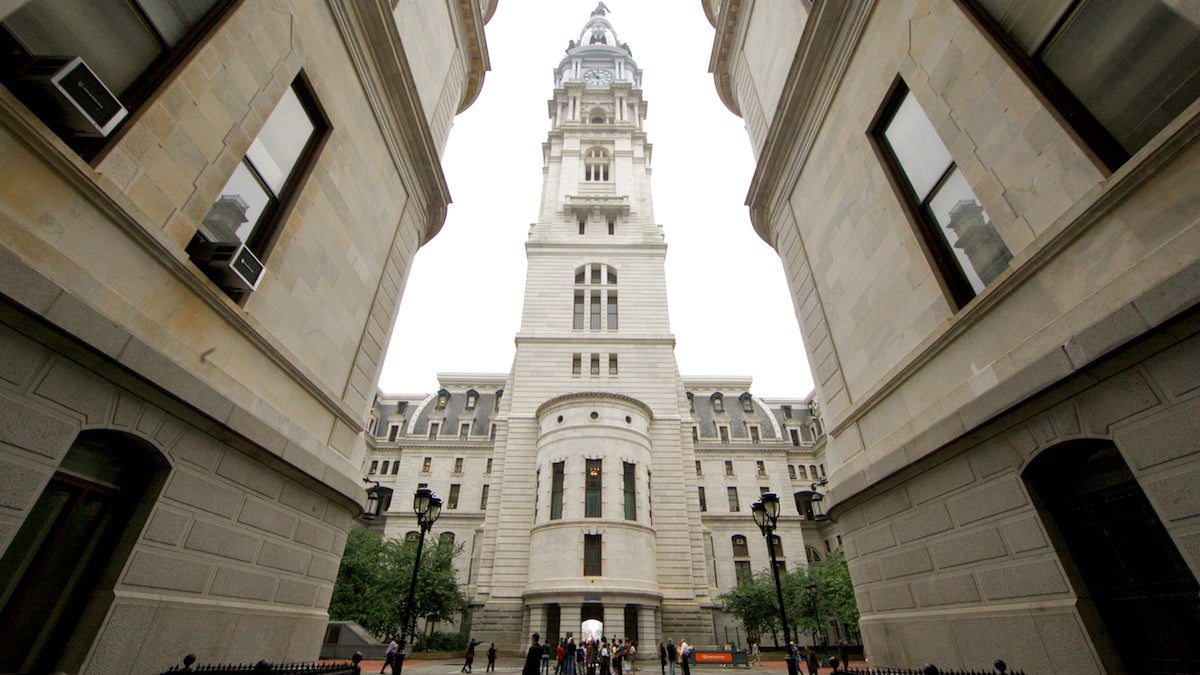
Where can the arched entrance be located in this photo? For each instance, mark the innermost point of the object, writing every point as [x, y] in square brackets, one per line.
[591, 617]
[1112, 541]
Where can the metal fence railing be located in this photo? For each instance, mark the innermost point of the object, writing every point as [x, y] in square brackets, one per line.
[266, 668]
[998, 668]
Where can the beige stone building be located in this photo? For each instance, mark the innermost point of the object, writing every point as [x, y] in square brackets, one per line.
[194, 304]
[593, 482]
[989, 216]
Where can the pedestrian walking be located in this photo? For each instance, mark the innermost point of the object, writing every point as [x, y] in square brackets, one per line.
[389, 656]
[471, 645]
[533, 657]
[843, 648]
[491, 654]
[811, 660]
[755, 655]
[672, 656]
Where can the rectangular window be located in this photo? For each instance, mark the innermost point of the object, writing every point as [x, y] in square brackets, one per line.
[754, 434]
[591, 555]
[374, 466]
[595, 368]
[803, 472]
[464, 430]
[1119, 71]
[582, 226]
[264, 185]
[393, 432]
[596, 271]
[795, 436]
[612, 364]
[492, 433]
[812, 471]
[733, 498]
[395, 467]
[576, 364]
[483, 497]
[425, 466]
[556, 490]
[488, 469]
[792, 471]
[129, 46]
[386, 465]
[612, 227]
[741, 569]
[612, 310]
[472, 399]
[695, 434]
[458, 465]
[578, 317]
[723, 431]
[630, 491]
[699, 471]
[595, 325]
[822, 466]
[703, 499]
[592, 485]
[452, 499]
[434, 428]
[760, 467]
[787, 412]
[728, 467]
[956, 233]
[764, 489]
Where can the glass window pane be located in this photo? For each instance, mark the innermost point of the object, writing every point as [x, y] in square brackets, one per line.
[237, 211]
[275, 151]
[1134, 64]
[172, 18]
[977, 246]
[109, 36]
[1029, 22]
[918, 147]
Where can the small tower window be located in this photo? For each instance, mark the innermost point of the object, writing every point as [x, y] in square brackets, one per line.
[595, 165]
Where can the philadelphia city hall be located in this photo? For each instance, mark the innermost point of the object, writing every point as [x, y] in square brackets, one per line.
[593, 482]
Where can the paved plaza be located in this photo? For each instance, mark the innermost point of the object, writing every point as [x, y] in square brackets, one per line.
[513, 665]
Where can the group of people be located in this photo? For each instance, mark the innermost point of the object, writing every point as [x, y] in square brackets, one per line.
[592, 656]
[669, 654]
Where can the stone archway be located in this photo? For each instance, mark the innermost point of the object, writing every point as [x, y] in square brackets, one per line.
[591, 616]
[1119, 554]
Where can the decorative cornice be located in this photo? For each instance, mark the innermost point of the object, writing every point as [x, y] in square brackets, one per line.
[594, 395]
[708, 13]
[830, 36]
[477, 52]
[723, 44]
[372, 39]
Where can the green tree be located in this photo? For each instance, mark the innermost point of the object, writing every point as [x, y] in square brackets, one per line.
[755, 601]
[372, 582]
[827, 595]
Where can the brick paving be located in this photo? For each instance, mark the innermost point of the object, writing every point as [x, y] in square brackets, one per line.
[513, 665]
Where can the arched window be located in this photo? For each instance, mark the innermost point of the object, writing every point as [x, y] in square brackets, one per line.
[597, 116]
[67, 552]
[747, 402]
[592, 307]
[813, 556]
[740, 549]
[778, 544]
[718, 402]
[411, 537]
[595, 165]
[386, 465]
[446, 539]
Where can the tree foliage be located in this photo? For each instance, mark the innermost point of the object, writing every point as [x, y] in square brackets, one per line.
[813, 596]
[373, 580]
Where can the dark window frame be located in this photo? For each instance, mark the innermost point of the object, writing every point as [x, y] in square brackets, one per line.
[593, 555]
[593, 490]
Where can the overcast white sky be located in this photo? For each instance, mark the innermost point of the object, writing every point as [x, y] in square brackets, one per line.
[729, 304]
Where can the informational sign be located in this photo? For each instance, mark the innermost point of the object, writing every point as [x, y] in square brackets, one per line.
[713, 657]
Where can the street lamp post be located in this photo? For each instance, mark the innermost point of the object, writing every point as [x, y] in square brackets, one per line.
[766, 513]
[428, 507]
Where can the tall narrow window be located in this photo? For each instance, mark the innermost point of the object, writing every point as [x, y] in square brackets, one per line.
[492, 433]
[803, 471]
[591, 555]
[728, 467]
[777, 544]
[723, 432]
[374, 466]
[384, 468]
[464, 431]
[458, 465]
[427, 465]
[395, 467]
[452, 498]
[393, 432]
[699, 470]
[595, 367]
[1121, 71]
[483, 497]
[795, 435]
[792, 471]
[434, 428]
[582, 226]
[576, 364]
[741, 571]
[595, 310]
[442, 399]
[747, 403]
[577, 323]
[472, 399]
[740, 547]
[718, 402]
[612, 310]
[592, 485]
[787, 411]
[703, 500]
[556, 489]
[731, 492]
[488, 468]
[695, 434]
[955, 231]
[612, 364]
[612, 227]
[755, 436]
[596, 165]
[761, 467]
[630, 491]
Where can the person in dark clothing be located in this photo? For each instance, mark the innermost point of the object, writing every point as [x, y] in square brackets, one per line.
[491, 654]
[672, 656]
[533, 657]
[662, 657]
[811, 660]
[843, 652]
[471, 645]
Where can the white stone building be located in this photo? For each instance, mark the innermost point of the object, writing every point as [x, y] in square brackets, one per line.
[194, 305]
[593, 482]
[989, 215]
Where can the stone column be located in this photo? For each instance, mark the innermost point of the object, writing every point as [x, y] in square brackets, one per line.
[614, 621]
[571, 617]
[648, 630]
[537, 621]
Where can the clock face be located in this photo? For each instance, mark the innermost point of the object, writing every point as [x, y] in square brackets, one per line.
[597, 77]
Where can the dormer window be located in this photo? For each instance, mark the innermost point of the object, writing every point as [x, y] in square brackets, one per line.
[595, 165]
[472, 399]
[747, 403]
[442, 399]
[718, 403]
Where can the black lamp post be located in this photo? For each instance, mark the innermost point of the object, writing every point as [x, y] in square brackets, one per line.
[766, 513]
[379, 498]
[428, 507]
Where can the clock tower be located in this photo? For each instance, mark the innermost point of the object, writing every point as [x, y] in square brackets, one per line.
[597, 522]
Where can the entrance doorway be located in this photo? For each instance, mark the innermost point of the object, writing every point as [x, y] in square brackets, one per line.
[592, 621]
[1130, 568]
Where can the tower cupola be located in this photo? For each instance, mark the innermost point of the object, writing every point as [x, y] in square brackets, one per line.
[598, 58]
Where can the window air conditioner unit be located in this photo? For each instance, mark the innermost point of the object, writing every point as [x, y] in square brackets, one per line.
[67, 92]
[230, 264]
